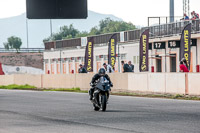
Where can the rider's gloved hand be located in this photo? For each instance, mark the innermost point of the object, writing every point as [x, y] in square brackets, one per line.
[92, 85]
[111, 84]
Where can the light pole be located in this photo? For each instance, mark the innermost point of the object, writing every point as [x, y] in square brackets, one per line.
[118, 59]
[27, 32]
[51, 27]
[60, 62]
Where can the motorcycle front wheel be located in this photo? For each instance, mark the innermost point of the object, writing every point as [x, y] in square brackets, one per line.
[103, 102]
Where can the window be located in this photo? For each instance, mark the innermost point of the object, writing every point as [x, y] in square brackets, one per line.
[82, 59]
[52, 61]
[68, 59]
[138, 59]
[105, 57]
[123, 56]
[97, 58]
[46, 60]
[56, 60]
[63, 60]
[77, 59]
[134, 60]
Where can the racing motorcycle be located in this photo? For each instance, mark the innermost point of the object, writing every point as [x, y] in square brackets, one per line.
[101, 94]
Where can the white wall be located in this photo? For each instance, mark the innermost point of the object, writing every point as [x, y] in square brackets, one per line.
[21, 69]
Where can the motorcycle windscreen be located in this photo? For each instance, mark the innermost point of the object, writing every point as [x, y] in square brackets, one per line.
[103, 84]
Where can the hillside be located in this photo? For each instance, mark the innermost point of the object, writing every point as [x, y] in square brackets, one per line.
[40, 29]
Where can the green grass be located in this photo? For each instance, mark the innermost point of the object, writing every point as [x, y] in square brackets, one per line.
[168, 96]
[67, 89]
[19, 87]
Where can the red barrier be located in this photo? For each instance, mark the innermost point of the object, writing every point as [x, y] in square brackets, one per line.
[1, 70]
[152, 69]
[197, 68]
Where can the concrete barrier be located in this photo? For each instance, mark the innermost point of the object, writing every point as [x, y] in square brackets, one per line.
[83, 80]
[156, 82]
[138, 82]
[194, 84]
[6, 79]
[58, 81]
[173, 83]
[120, 81]
[22, 79]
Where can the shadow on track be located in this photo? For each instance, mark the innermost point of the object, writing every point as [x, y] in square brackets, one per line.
[119, 111]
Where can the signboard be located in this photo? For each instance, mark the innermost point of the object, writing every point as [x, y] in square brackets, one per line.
[185, 49]
[144, 52]
[159, 45]
[89, 52]
[121, 36]
[112, 50]
[176, 44]
[84, 41]
[150, 46]
[173, 44]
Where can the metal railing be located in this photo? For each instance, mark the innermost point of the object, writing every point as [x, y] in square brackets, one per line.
[22, 50]
[156, 31]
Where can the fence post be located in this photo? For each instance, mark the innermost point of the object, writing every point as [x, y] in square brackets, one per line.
[186, 84]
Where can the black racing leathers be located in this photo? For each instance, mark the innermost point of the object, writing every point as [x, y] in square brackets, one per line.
[96, 77]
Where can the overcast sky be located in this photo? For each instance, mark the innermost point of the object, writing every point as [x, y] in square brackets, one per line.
[135, 11]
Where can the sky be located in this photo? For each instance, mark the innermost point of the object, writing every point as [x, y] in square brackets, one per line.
[135, 11]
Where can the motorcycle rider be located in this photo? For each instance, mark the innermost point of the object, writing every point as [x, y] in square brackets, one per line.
[101, 73]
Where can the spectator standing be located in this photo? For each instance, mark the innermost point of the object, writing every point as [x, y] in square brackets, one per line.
[194, 15]
[82, 69]
[126, 67]
[131, 66]
[184, 62]
[186, 17]
[183, 68]
[108, 68]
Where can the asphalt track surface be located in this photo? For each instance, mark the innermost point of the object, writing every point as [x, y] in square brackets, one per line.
[62, 112]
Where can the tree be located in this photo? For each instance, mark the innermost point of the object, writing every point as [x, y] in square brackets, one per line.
[105, 26]
[94, 31]
[13, 43]
[82, 34]
[108, 26]
[66, 32]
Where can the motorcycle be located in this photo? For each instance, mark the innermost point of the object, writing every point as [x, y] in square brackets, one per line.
[101, 94]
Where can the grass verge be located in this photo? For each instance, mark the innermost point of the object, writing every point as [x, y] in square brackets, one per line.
[19, 87]
[29, 87]
[168, 96]
[67, 90]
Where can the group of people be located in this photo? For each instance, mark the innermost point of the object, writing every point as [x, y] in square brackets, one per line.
[108, 68]
[194, 15]
[127, 67]
[183, 65]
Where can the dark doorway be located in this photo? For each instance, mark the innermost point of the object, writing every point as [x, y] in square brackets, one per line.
[172, 64]
[158, 65]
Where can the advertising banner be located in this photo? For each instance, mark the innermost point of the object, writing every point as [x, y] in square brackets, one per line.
[144, 49]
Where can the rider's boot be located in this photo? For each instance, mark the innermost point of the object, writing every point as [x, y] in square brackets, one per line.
[91, 91]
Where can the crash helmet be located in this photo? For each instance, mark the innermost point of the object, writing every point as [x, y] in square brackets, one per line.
[102, 71]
